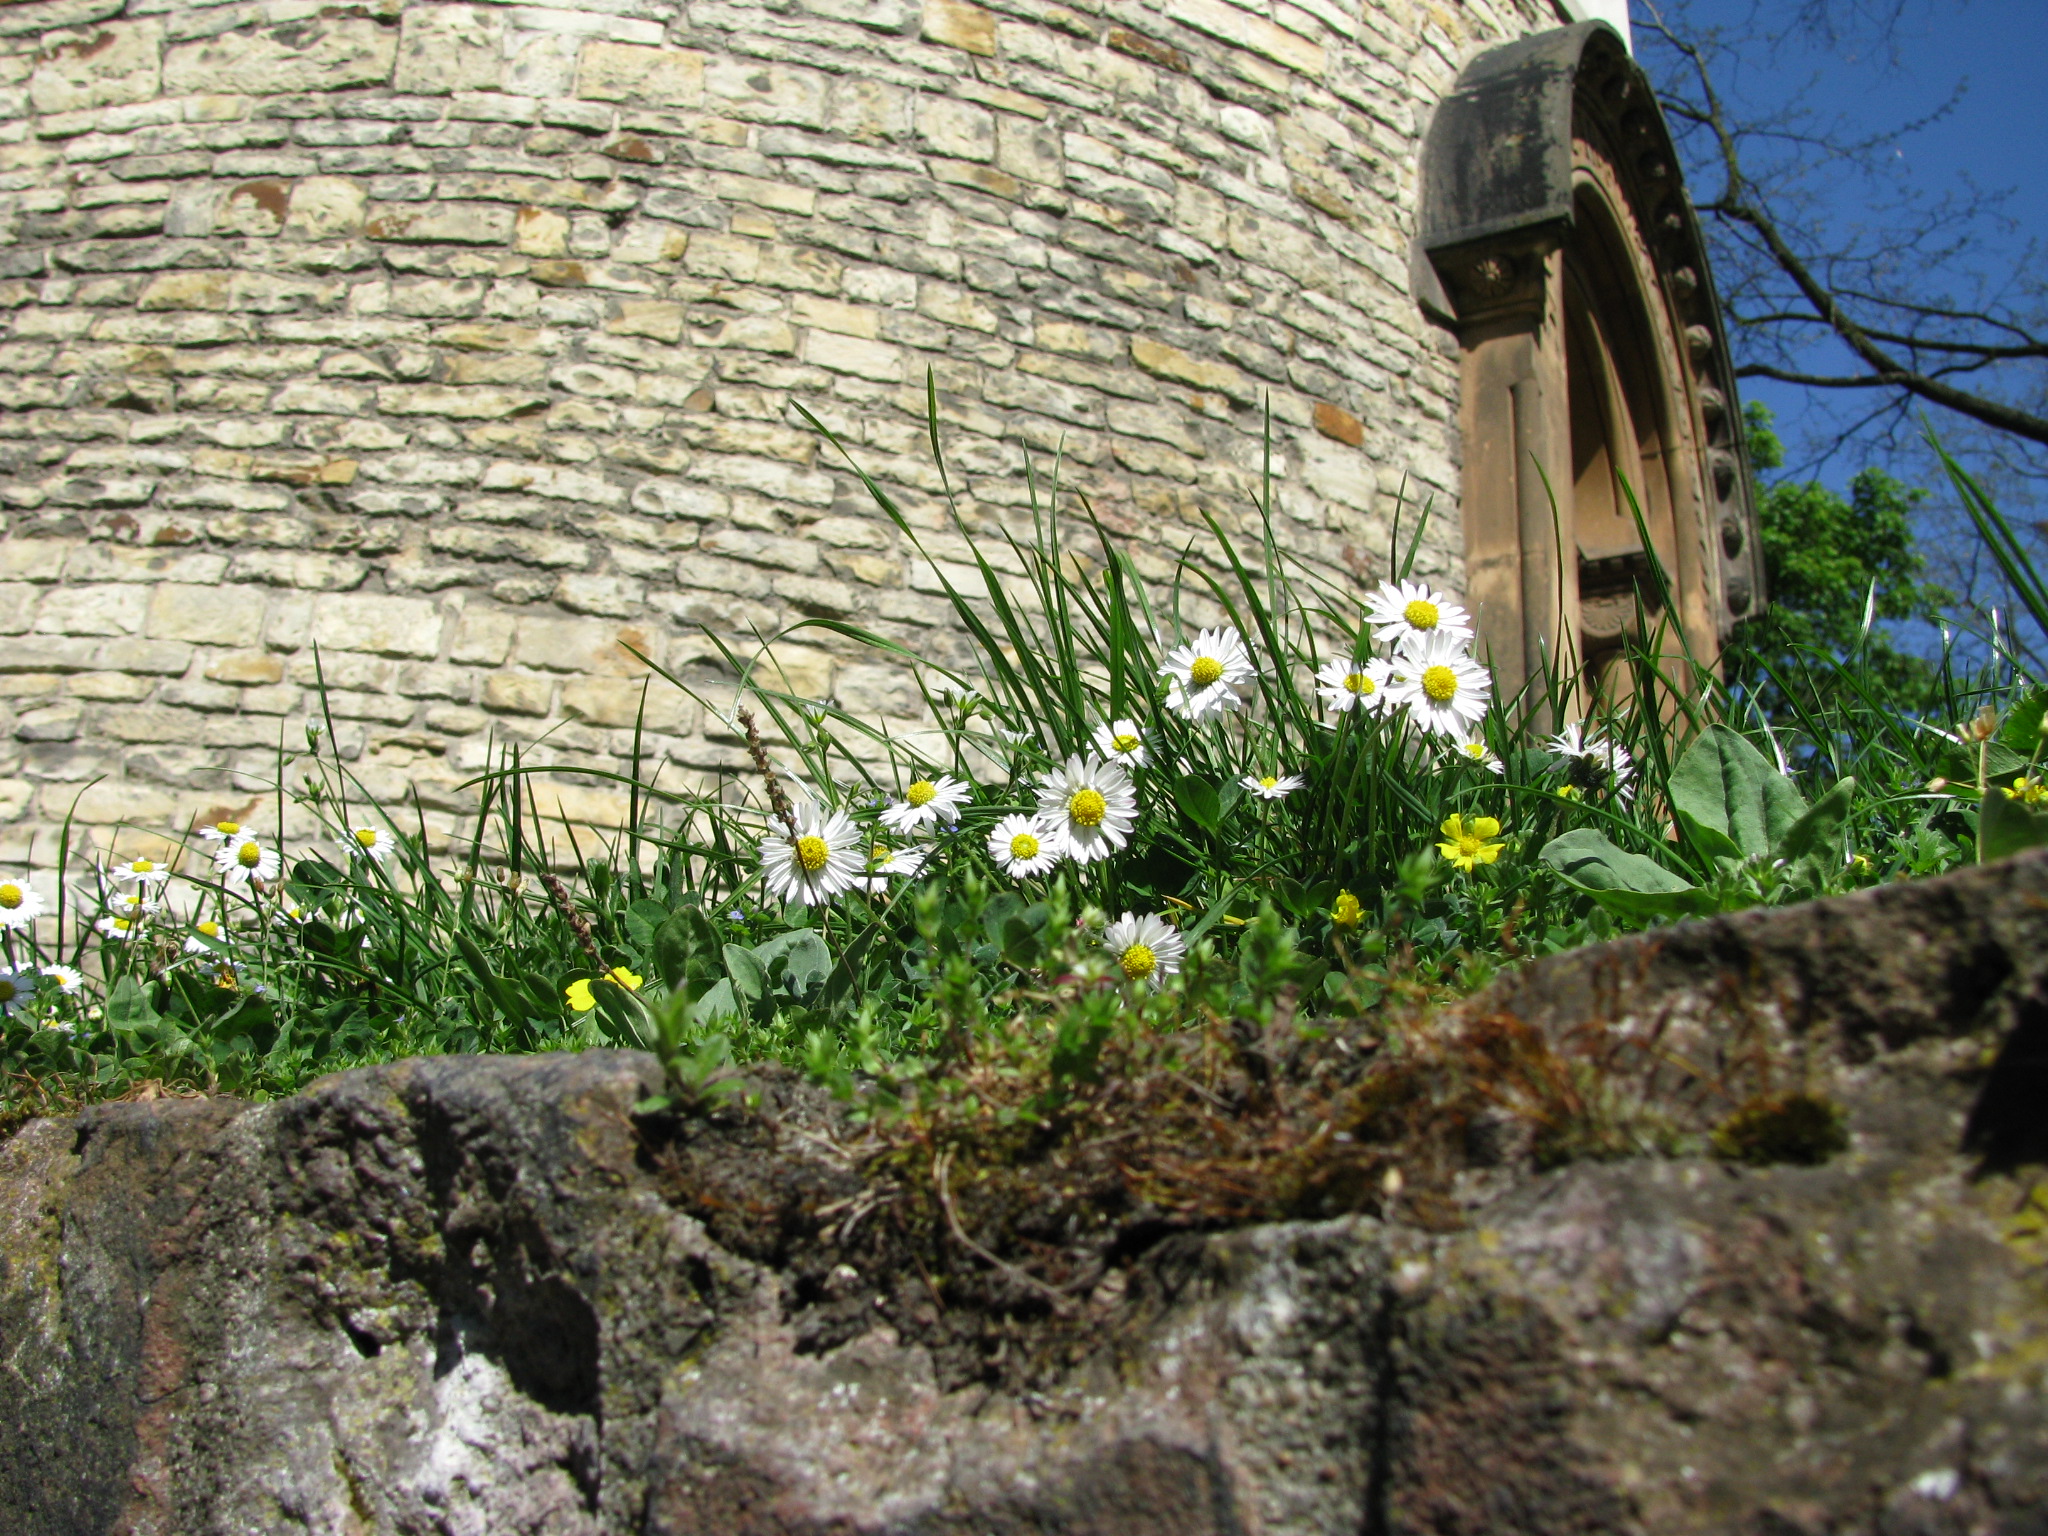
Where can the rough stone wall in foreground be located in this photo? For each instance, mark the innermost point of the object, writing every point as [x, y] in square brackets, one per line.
[463, 342]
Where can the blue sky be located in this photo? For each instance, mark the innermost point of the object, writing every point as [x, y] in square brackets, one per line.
[1997, 136]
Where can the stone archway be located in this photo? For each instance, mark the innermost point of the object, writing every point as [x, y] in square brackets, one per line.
[1601, 438]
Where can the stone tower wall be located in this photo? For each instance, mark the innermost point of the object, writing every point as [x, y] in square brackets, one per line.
[463, 341]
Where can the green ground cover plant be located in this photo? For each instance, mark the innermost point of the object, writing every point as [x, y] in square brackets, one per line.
[1151, 812]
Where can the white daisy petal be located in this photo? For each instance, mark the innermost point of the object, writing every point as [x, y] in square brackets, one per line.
[20, 905]
[1209, 675]
[1023, 846]
[1271, 786]
[69, 982]
[141, 872]
[1597, 758]
[821, 861]
[1146, 948]
[1445, 689]
[377, 844]
[886, 863]
[1122, 741]
[925, 803]
[244, 858]
[1401, 611]
[17, 990]
[1356, 684]
[1474, 750]
[1089, 806]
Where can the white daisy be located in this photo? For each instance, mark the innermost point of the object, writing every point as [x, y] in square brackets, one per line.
[221, 831]
[927, 802]
[1474, 750]
[243, 859]
[374, 843]
[1023, 846]
[20, 906]
[130, 904]
[1121, 741]
[886, 863]
[1445, 689]
[17, 989]
[820, 861]
[1146, 949]
[1595, 758]
[1411, 610]
[1271, 787]
[196, 942]
[1089, 807]
[69, 982]
[1355, 684]
[1204, 678]
[117, 926]
[144, 873]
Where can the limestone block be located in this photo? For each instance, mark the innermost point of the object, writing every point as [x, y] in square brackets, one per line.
[206, 615]
[541, 232]
[254, 208]
[646, 317]
[585, 645]
[644, 241]
[655, 77]
[444, 48]
[612, 701]
[324, 208]
[869, 111]
[518, 693]
[452, 223]
[97, 66]
[960, 25]
[956, 128]
[1171, 363]
[114, 800]
[483, 635]
[1235, 24]
[1029, 150]
[245, 667]
[851, 354]
[765, 93]
[383, 626]
[321, 53]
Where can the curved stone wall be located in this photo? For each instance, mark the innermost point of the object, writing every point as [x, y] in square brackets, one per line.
[462, 341]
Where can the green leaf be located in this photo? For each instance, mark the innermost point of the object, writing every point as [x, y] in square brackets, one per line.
[1021, 945]
[1725, 784]
[1714, 844]
[748, 975]
[2004, 826]
[839, 985]
[493, 984]
[718, 1003]
[1199, 799]
[644, 919]
[2022, 729]
[806, 960]
[1819, 832]
[685, 950]
[128, 1006]
[1588, 859]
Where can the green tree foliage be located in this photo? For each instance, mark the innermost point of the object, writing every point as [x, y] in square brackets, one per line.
[1824, 556]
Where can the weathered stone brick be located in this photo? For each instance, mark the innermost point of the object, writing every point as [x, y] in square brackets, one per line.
[207, 615]
[655, 77]
[320, 54]
[518, 693]
[444, 48]
[960, 25]
[98, 66]
[384, 626]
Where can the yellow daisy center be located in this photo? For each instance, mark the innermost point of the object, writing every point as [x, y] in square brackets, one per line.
[878, 855]
[1087, 808]
[1267, 781]
[1359, 683]
[227, 828]
[210, 929]
[1440, 683]
[1138, 962]
[1023, 847]
[1421, 614]
[8, 990]
[10, 896]
[249, 855]
[367, 836]
[1125, 742]
[122, 925]
[141, 867]
[812, 853]
[1475, 750]
[923, 792]
[1205, 670]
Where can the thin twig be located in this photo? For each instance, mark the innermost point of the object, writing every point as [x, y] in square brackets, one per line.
[1060, 1300]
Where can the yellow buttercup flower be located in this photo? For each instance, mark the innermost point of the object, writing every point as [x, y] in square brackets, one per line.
[578, 992]
[1347, 913]
[2028, 790]
[1467, 845]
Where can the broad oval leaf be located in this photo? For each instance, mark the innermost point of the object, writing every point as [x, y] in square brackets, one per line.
[1725, 784]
